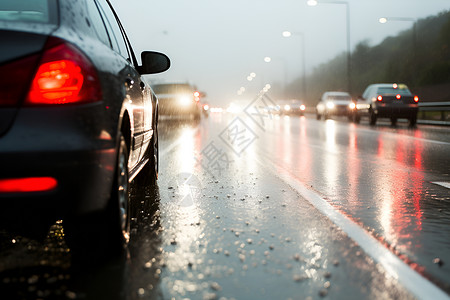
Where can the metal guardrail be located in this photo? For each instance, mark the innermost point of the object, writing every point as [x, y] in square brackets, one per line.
[437, 107]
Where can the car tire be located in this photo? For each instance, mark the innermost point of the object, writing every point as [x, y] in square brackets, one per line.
[393, 121]
[318, 117]
[372, 118]
[356, 118]
[412, 121]
[103, 235]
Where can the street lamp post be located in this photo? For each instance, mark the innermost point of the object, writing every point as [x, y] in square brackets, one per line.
[287, 34]
[349, 57]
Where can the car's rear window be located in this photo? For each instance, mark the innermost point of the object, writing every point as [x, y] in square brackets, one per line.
[394, 91]
[29, 11]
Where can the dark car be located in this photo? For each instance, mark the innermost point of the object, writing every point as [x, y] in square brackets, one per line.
[290, 107]
[78, 123]
[389, 100]
[178, 99]
[334, 104]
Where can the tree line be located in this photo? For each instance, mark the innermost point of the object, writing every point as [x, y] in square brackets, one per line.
[418, 57]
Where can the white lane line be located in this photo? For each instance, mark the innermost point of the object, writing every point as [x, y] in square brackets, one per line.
[442, 183]
[419, 286]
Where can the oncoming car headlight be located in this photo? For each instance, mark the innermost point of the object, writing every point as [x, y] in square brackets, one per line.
[352, 105]
[330, 105]
[287, 107]
[184, 100]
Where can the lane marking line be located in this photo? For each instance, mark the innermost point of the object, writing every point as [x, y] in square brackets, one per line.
[442, 183]
[415, 283]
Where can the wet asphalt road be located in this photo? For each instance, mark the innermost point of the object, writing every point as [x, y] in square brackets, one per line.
[234, 217]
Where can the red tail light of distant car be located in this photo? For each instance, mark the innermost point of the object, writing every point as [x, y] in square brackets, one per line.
[197, 96]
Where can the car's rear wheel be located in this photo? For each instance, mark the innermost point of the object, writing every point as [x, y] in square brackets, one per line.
[412, 121]
[372, 118]
[104, 234]
[393, 121]
[121, 192]
[356, 118]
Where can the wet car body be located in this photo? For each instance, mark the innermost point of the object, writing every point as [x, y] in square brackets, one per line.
[178, 99]
[79, 123]
[334, 104]
[390, 100]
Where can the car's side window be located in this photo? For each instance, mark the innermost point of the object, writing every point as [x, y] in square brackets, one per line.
[97, 23]
[117, 39]
[367, 92]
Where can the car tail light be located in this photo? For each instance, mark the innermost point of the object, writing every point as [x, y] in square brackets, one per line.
[380, 98]
[398, 96]
[64, 75]
[416, 99]
[29, 184]
[197, 96]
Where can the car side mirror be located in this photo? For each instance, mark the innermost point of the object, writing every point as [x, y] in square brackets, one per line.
[154, 62]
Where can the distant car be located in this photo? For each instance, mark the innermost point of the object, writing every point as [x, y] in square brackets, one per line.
[78, 123]
[205, 109]
[389, 100]
[178, 99]
[290, 107]
[334, 104]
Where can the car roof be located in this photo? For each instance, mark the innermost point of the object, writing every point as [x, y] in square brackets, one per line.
[388, 85]
[289, 101]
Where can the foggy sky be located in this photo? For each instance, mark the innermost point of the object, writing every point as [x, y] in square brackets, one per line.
[217, 44]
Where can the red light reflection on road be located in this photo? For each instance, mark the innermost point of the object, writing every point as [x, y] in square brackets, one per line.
[400, 186]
